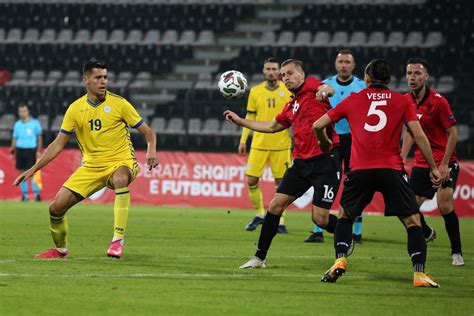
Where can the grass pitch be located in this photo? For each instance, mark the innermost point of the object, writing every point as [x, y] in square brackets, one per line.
[185, 261]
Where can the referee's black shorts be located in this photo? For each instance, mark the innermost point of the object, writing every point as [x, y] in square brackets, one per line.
[361, 185]
[25, 158]
[320, 172]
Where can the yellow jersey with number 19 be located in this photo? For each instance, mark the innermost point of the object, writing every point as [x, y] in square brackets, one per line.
[266, 104]
[102, 129]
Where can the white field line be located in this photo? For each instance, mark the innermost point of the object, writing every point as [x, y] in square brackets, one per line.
[15, 260]
[242, 275]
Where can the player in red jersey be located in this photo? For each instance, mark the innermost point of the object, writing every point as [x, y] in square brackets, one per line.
[311, 168]
[376, 116]
[439, 124]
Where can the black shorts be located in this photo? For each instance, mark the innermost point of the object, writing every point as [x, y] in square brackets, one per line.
[421, 183]
[319, 172]
[361, 185]
[25, 158]
[345, 151]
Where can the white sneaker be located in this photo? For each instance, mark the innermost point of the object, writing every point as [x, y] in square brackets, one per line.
[254, 262]
[457, 259]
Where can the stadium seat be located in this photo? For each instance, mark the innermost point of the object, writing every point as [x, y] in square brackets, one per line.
[229, 129]
[267, 39]
[134, 37]
[7, 121]
[194, 126]
[433, 39]
[65, 36]
[321, 39]
[117, 37]
[19, 78]
[44, 121]
[169, 37]
[56, 125]
[414, 39]
[376, 39]
[151, 37]
[175, 127]
[210, 126]
[188, 37]
[303, 38]
[205, 37]
[82, 37]
[14, 36]
[37, 78]
[395, 39]
[286, 38]
[158, 124]
[47, 37]
[358, 39]
[339, 39]
[31, 36]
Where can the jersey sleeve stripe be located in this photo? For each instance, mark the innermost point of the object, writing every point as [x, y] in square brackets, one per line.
[138, 124]
[65, 132]
[252, 112]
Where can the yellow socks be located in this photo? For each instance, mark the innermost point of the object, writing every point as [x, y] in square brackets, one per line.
[256, 198]
[121, 206]
[59, 228]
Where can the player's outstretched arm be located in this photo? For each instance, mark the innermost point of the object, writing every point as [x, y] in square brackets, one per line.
[51, 152]
[324, 91]
[424, 145]
[150, 136]
[319, 128]
[258, 126]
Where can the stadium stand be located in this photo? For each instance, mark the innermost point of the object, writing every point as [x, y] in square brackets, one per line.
[165, 56]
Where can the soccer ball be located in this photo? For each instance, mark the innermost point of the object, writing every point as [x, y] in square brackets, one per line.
[232, 84]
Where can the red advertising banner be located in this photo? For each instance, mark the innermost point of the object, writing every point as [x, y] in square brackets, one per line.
[202, 180]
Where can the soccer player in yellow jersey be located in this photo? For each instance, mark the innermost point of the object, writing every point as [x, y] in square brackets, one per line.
[100, 120]
[266, 101]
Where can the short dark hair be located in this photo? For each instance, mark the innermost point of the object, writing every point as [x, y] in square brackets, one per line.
[418, 60]
[271, 60]
[91, 64]
[379, 71]
[346, 52]
[296, 62]
[24, 105]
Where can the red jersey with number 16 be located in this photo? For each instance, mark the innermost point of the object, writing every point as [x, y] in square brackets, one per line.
[300, 114]
[376, 116]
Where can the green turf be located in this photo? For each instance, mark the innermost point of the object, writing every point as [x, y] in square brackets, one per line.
[184, 261]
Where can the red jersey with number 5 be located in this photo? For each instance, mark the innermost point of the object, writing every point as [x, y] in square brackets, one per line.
[376, 116]
[435, 117]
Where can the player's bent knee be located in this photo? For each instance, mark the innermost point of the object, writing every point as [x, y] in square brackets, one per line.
[56, 210]
[276, 208]
[252, 181]
[321, 221]
[410, 221]
[120, 180]
[445, 208]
